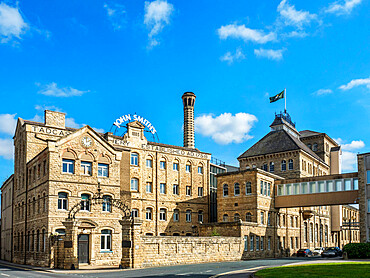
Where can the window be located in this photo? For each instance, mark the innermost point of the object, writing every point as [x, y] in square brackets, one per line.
[226, 190]
[200, 216]
[162, 165]
[236, 217]
[102, 170]
[262, 241]
[162, 214]
[85, 202]
[257, 243]
[134, 213]
[245, 243]
[188, 216]
[149, 163]
[149, 214]
[269, 219]
[283, 242]
[262, 218]
[134, 159]
[261, 187]
[272, 167]
[252, 243]
[248, 188]
[283, 165]
[134, 184]
[264, 167]
[188, 191]
[268, 189]
[265, 188]
[368, 177]
[162, 188]
[175, 166]
[248, 217]
[314, 147]
[291, 221]
[236, 189]
[305, 232]
[149, 187]
[86, 168]
[225, 218]
[60, 232]
[269, 243]
[175, 189]
[188, 168]
[200, 170]
[290, 164]
[107, 203]
[62, 200]
[106, 240]
[176, 215]
[296, 242]
[368, 205]
[68, 166]
[200, 191]
[291, 243]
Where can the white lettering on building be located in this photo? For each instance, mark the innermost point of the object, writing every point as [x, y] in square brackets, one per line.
[176, 151]
[125, 118]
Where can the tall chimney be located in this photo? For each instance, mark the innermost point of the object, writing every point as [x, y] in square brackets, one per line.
[188, 99]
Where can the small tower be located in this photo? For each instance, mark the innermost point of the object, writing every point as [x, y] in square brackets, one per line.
[188, 99]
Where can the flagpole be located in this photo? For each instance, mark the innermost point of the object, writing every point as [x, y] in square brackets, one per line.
[285, 100]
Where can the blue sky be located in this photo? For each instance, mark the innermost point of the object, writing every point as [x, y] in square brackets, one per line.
[104, 59]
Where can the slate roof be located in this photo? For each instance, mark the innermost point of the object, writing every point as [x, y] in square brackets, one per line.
[308, 133]
[276, 142]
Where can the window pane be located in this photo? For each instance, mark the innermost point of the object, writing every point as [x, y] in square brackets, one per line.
[368, 177]
[321, 186]
[347, 184]
[312, 187]
[338, 185]
[330, 186]
[355, 184]
[304, 188]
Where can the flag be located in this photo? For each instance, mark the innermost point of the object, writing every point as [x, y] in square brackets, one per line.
[277, 97]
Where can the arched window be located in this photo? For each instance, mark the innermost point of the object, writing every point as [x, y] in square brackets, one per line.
[290, 164]
[236, 217]
[162, 164]
[264, 167]
[34, 205]
[248, 188]
[248, 217]
[176, 215]
[305, 232]
[200, 216]
[107, 203]
[106, 240]
[162, 214]
[310, 146]
[149, 214]
[188, 215]
[63, 200]
[226, 190]
[149, 162]
[134, 159]
[38, 241]
[134, 184]
[200, 169]
[254, 166]
[68, 163]
[85, 202]
[134, 213]
[236, 189]
[225, 218]
[283, 165]
[314, 147]
[272, 167]
[247, 167]
[43, 245]
[188, 168]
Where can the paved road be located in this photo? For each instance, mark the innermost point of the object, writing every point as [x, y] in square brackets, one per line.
[193, 270]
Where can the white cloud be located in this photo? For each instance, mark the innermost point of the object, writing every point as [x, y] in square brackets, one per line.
[42, 108]
[157, 16]
[70, 122]
[270, 53]
[53, 90]
[342, 7]
[244, 33]
[8, 123]
[12, 24]
[100, 130]
[349, 158]
[226, 128]
[230, 58]
[323, 92]
[116, 14]
[6, 148]
[292, 17]
[355, 83]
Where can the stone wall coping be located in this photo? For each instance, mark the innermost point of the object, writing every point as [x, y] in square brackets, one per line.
[257, 170]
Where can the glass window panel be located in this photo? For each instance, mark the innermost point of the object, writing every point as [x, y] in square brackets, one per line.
[338, 185]
[288, 189]
[347, 184]
[312, 187]
[296, 188]
[368, 177]
[280, 190]
[321, 186]
[355, 184]
[304, 188]
[330, 186]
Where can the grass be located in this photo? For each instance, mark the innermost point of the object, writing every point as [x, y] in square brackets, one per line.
[352, 270]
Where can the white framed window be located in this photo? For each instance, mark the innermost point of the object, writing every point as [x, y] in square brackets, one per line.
[107, 203]
[283, 165]
[176, 189]
[162, 188]
[106, 240]
[149, 187]
[134, 159]
[86, 168]
[176, 215]
[225, 190]
[149, 163]
[262, 218]
[68, 166]
[102, 170]
[63, 200]
[200, 170]
[149, 214]
[85, 202]
[261, 187]
[200, 216]
[245, 243]
[175, 166]
[252, 243]
[162, 165]
[248, 188]
[268, 189]
[272, 167]
[188, 215]
[134, 184]
[162, 214]
[200, 191]
[135, 213]
[188, 191]
[188, 168]
[236, 189]
[290, 164]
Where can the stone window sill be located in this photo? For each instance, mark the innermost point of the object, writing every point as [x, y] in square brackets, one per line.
[106, 251]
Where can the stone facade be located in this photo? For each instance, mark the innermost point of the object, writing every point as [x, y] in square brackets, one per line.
[6, 219]
[363, 161]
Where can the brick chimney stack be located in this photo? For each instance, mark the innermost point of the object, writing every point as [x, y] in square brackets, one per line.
[188, 99]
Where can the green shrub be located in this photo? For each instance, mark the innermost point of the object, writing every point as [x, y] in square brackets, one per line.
[357, 250]
[215, 232]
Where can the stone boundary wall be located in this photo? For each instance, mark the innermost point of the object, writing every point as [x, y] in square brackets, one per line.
[171, 250]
